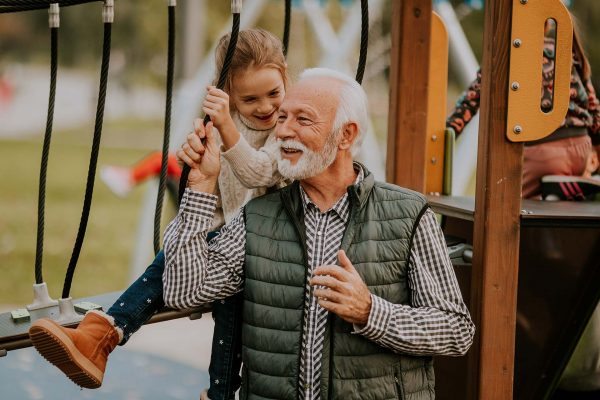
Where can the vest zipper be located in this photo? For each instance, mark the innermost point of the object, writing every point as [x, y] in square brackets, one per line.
[302, 236]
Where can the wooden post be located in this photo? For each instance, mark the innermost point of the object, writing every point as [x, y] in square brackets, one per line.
[497, 211]
[411, 30]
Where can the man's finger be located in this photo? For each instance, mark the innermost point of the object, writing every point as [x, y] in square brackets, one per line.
[331, 306]
[184, 157]
[195, 143]
[345, 261]
[327, 281]
[198, 125]
[210, 136]
[329, 295]
[333, 270]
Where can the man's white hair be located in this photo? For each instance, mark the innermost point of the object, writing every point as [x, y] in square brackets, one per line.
[353, 102]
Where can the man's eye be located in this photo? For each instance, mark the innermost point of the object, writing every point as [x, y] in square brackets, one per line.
[281, 118]
[274, 94]
[304, 120]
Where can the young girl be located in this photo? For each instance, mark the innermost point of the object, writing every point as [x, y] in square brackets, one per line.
[245, 121]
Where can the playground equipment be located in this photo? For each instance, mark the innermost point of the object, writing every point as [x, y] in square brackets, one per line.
[524, 340]
[513, 240]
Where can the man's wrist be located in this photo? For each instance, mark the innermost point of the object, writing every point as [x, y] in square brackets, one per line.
[208, 185]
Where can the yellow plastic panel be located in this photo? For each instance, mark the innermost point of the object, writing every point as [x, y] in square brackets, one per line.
[526, 121]
[436, 106]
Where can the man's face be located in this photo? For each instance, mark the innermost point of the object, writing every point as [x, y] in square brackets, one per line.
[307, 145]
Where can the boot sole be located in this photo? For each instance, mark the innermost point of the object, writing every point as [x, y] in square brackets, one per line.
[56, 347]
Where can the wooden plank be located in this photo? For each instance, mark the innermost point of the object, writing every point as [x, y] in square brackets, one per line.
[497, 211]
[436, 108]
[407, 127]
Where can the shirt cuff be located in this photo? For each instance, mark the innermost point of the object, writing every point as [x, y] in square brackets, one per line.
[239, 154]
[198, 204]
[381, 312]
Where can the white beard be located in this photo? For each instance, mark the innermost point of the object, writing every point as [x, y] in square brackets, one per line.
[310, 163]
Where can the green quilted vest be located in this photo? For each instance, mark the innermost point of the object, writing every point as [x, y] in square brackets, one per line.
[377, 240]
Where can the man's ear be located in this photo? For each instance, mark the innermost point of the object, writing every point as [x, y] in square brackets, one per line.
[349, 135]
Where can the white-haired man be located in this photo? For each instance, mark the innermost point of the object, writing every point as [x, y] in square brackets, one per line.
[348, 287]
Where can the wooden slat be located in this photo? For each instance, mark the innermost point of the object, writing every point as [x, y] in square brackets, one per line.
[411, 30]
[497, 211]
[436, 109]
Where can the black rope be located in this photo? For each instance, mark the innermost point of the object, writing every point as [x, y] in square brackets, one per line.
[167, 131]
[286, 26]
[221, 83]
[9, 6]
[89, 189]
[364, 40]
[39, 250]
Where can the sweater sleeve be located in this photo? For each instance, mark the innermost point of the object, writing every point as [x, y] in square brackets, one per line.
[594, 110]
[466, 106]
[254, 168]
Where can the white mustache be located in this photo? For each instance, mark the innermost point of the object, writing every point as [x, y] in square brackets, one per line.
[292, 145]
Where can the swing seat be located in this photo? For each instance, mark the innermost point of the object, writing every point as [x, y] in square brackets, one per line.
[15, 334]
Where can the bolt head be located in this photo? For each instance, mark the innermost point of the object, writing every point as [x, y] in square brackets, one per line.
[434, 138]
[433, 160]
[524, 2]
[517, 43]
[515, 86]
[517, 129]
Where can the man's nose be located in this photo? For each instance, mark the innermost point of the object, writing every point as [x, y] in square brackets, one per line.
[283, 130]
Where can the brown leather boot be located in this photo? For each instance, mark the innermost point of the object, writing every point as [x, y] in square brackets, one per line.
[80, 353]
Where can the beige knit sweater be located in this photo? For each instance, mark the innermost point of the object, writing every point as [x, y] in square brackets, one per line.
[247, 170]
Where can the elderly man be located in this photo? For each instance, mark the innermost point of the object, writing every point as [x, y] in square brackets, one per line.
[347, 283]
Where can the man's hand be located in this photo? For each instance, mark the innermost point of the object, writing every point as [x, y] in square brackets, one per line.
[341, 290]
[204, 159]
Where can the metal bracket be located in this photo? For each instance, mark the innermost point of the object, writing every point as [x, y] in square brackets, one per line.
[67, 315]
[54, 15]
[236, 6]
[108, 12]
[86, 306]
[20, 315]
[41, 298]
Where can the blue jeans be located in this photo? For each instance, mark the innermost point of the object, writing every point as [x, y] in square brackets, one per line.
[145, 296]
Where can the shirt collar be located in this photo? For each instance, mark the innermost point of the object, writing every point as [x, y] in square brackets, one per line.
[341, 207]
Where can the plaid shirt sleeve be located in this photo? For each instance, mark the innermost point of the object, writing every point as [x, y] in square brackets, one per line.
[437, 321]
[198, 272]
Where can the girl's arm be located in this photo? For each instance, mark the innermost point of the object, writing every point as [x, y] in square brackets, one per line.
[254, 168]
[466, 107]
[594, 110]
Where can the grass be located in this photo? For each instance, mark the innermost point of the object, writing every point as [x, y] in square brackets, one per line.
[105, 257]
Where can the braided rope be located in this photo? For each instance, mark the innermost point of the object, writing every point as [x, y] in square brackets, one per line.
[39, 250]
[221, 83]
[167, 130]
[286, 26]
[364, 40]
[89, 189]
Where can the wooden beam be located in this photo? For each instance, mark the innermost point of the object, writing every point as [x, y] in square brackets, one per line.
[407, 127]
[497, 211]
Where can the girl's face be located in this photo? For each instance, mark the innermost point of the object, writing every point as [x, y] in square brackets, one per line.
[257, 94]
